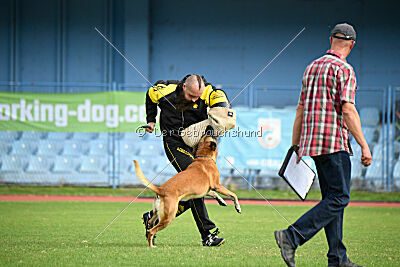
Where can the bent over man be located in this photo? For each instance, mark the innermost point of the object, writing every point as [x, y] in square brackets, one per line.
[325, 115]
[184, 103]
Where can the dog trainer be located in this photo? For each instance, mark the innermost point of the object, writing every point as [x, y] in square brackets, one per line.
[325, 114]
[184, 103]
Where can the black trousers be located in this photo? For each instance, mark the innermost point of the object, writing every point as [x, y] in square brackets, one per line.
[183, 156]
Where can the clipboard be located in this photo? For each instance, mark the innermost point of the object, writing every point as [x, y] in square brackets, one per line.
[299, 177]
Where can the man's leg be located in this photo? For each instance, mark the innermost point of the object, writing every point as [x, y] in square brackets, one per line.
[334, 230]
[334, 181]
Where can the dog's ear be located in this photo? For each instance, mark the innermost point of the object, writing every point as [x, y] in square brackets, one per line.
[213, 145]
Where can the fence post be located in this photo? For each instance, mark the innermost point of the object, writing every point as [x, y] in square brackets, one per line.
[388, 139]
[251, 96]
[383, 132]
[114, 155]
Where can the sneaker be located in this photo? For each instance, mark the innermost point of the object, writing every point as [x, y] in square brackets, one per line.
[212, 240]
[287, 251]
[347, 263]
[146, 218]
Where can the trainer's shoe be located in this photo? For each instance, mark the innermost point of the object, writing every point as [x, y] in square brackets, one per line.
[146, 218]
[347, 263]
[212, 240]
[287, 251]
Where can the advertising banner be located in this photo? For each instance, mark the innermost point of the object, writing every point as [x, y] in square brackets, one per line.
[78, 112]
[259, 141]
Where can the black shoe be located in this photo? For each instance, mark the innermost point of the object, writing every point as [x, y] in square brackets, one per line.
[212, 240]
[287, 250]
[348, 263]
[146, 218]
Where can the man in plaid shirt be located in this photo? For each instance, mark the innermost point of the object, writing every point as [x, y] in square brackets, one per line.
[325, 114]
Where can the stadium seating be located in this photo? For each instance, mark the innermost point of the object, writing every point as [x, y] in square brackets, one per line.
[75, 148]
[84, 136]
[50, 148]
[92, 164]
[24, 147]
[150, 148]
[59, 136]
[369, 134]
[374, 171]
[13, 164]
[396, 174]
[39, 165]
[369, 116]
[29, 135]
[127, 147]
[131, 136]
[64, 164]
[382, 137]
[356, 169]
[99, 148]
[5, 148]
[9, 136]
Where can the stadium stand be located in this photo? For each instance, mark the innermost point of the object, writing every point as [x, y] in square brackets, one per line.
[64, 165]
[13, 164]
[24, 147]
[369, 116]
[369, 134]
[150, 148]
[49, 148]
[39, 164]
[75, 148]
[5, 148]
[29, 135]
[128, 147]
[396, 174]
[59, 136]
[9, 136]
[84, 136]
[374, 173]
[99, 148]
[92, 164]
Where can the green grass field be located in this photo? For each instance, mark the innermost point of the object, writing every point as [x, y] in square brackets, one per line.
[62, 233]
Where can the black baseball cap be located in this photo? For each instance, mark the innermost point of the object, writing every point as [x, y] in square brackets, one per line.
[345, 29]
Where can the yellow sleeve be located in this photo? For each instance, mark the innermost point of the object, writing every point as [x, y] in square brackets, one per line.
[158, 91]
[217, 98]
[214, 97]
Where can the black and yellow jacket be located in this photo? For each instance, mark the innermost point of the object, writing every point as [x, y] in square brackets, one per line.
[172, 121]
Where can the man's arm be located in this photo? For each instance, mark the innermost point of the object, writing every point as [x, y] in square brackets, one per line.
[218, 98]
[353, 122]
[297, 125]
[298, 120]
[151, 112]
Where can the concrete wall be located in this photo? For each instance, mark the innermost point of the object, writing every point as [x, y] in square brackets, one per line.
[229, 41]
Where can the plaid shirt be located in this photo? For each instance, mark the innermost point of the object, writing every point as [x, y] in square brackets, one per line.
[327, 83]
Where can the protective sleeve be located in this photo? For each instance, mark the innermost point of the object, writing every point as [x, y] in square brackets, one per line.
[151, 109]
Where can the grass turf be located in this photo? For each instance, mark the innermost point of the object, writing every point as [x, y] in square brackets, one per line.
[61, 233]
[101, 191]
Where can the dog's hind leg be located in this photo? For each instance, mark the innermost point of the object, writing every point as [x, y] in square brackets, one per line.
[156, 207]
[222, 190]
[167, 214]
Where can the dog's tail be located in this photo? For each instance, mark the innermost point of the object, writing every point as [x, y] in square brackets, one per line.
[143, 179]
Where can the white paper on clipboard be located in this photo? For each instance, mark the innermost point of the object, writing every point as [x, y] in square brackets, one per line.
[299, 176]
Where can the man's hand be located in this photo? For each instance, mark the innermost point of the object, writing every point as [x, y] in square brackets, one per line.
[151, 129]
[366, 157]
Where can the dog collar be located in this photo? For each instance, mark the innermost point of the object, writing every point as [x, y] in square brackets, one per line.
[206, 157]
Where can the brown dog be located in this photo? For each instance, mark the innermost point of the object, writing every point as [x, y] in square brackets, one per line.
[199, 179]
